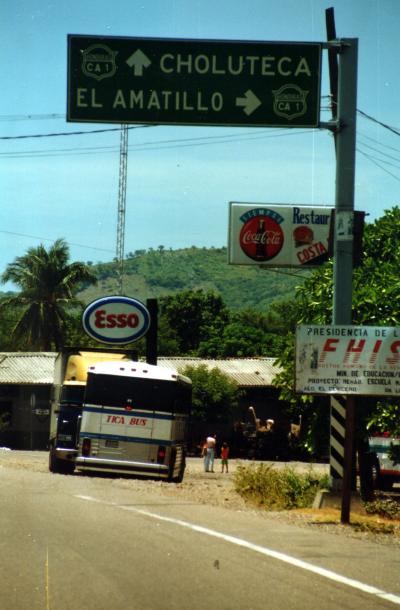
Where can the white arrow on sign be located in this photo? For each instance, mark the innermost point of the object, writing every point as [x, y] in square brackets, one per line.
[250, 102]
[138, 61]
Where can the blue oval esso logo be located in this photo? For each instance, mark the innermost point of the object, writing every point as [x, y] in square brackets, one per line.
[116, 320]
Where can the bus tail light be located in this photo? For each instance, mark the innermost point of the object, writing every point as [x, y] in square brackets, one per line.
[86, 446]
[161, 453]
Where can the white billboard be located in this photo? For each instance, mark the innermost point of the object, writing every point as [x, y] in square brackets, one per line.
[348, 360]
[278, 235]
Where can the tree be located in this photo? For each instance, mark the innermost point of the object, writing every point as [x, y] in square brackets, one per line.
[215, 396]
[48, 284]
[195, 316]
[249, 333]
[376, 302]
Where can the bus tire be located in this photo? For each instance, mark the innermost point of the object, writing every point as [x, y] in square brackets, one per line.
[172, 465]
[179, 477]
[57, 466]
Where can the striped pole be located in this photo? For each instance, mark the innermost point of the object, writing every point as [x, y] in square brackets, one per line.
[337, 441]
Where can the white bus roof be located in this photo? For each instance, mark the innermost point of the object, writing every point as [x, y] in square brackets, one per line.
[131, 368]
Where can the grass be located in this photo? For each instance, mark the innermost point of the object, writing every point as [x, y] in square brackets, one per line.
[287, 489]
[278, 489]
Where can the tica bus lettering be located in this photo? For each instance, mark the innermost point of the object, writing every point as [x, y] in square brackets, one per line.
[120, 419]
[358, 347]
[137, 421]
[115, 419]
[115, 320]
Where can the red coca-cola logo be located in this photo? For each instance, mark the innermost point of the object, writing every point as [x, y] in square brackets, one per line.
[261, 238]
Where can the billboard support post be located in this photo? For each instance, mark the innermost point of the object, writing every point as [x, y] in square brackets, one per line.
[343, 238]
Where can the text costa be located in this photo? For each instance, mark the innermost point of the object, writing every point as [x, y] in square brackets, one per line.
[115, 320]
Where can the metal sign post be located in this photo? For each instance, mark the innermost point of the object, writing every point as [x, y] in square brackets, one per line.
[343, 239]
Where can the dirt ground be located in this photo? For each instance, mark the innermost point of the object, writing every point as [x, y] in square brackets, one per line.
[217, 489]
[213, 488]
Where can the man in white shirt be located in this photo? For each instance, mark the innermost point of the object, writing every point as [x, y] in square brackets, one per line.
[210, 454]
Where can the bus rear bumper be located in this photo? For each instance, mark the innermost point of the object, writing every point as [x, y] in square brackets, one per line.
[63, 453]
[148, 469]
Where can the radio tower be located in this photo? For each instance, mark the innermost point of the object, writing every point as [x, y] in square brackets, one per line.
[123, 161]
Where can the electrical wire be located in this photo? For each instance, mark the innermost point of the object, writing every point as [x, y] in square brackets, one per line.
[52, 240]
[29, 117]
[380, 152]
[378, 142]
[373, 160]
[156, 145]
[70, 133]
[394, 130]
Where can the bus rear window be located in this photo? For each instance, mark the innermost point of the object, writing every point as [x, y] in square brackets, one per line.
[139, 393]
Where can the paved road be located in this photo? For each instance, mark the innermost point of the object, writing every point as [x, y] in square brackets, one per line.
[94, 543]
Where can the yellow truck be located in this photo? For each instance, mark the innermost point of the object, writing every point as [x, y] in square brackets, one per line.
[70, 376]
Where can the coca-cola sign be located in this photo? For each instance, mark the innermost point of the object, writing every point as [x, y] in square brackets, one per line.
[278, 235]
[261, 237]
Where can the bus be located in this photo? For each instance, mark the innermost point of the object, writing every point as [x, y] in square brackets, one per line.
[134, 420]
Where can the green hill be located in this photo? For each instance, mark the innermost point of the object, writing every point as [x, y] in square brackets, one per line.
[156, 273]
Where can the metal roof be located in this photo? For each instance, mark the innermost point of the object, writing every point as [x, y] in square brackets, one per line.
[26, 368]
[30, 368]
[246, 372]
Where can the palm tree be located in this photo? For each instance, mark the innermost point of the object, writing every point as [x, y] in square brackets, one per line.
[48, 286]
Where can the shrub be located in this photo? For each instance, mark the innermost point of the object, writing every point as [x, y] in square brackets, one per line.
[384, 507]
[278, 489]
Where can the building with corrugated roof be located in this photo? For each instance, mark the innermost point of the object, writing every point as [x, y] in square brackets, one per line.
[26, 380]
[246, 372]
[254, 376]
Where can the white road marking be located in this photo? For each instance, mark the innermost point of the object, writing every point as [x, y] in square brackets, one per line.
[298, 563]
[46, 580]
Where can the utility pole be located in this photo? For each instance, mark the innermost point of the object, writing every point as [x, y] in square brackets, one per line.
[344, 230]
[123, 163]
[343, 86]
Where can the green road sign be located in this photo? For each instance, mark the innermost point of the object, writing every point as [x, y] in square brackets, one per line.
[193, 82]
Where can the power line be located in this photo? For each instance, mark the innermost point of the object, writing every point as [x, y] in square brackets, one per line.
[52, 240]
[71, 133]
[29, 117]
[155, 145]
[378, 142]
[68, 133]
[380, 152]
[371, 118]
[373, 160]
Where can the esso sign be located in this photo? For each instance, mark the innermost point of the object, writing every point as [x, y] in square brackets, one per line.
[116, 320]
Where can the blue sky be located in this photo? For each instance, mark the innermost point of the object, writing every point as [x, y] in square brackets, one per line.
[180, 179]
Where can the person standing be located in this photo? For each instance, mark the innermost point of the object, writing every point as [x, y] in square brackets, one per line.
[209, 453]
[224, 457]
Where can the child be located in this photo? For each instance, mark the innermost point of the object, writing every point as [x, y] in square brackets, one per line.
[224, 457]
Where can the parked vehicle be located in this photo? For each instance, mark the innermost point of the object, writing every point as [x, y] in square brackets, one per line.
[70, 374]
[386, 472]
[134, 420]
